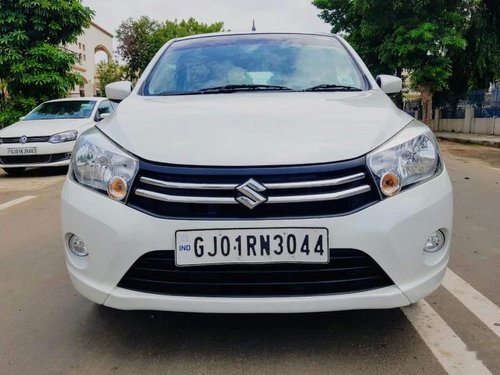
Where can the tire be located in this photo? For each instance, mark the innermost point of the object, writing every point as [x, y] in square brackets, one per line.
[14, 171]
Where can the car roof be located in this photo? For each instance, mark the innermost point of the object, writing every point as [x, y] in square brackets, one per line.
[234, 33]
[72, 99]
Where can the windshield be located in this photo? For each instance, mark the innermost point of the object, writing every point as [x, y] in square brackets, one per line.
[71, 109]
[290, 61]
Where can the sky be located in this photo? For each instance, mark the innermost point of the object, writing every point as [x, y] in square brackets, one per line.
[237, 15]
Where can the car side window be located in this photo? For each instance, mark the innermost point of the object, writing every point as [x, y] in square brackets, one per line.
[105, 107]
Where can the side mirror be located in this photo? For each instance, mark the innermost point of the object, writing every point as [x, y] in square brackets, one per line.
[117, 91]
[390, 84]
[102, 116]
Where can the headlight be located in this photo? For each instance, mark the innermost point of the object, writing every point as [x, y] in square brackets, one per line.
[64, 137]
[410, 157]
[100, 164]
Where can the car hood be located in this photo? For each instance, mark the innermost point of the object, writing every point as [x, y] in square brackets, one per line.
[33, 128]
[254, 129]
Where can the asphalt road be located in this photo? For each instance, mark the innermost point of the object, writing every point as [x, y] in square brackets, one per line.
[47, 328]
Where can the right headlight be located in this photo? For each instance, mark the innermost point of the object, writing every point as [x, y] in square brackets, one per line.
[64, 137]
[100, 164]
[410, 157]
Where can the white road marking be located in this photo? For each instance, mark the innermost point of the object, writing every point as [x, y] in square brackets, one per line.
[479, 305]
[447, 347]
[4, 206]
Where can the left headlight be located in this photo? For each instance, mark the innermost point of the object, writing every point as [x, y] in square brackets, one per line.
[410, 157]
[100, 164]
[64, 137]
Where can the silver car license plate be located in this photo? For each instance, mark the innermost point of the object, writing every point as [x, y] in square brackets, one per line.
[256, 245]
[22, 151]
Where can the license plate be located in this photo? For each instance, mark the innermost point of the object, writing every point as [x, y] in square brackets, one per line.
[259, 245]
[22, 151]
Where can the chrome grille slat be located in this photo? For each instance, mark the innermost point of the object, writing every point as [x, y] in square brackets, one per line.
[316, 184]
[320, 197]
[270, 186]
[185, 185]
[184, 199]
[271, 200]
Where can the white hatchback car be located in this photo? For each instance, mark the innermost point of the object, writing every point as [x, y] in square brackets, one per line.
[46, 136]
[257, 173]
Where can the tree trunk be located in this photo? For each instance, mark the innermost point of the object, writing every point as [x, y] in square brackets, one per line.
[426, 94]
[399, 96]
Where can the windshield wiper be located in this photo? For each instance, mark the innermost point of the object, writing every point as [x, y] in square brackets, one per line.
[332, 87]
[244, 87]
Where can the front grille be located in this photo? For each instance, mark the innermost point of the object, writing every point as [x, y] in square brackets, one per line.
[253, 192]
[348, 271]
[41, 139]
[33, 159]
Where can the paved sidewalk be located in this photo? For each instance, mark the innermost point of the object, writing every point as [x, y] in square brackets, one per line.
[478, 139]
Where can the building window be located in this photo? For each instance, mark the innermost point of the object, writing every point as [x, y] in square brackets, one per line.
[83, 45]
[80, 58]
[79, 45]
[84, 57]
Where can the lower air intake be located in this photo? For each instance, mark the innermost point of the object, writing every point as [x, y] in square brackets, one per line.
[348, 271]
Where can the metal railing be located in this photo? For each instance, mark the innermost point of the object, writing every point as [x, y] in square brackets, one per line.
[486, 104]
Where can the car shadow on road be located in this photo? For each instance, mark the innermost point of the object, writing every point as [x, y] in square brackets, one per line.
[38, 172]
[170, 337]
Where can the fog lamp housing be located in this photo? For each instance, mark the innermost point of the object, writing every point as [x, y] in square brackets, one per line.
[435, 242]
[77, 246]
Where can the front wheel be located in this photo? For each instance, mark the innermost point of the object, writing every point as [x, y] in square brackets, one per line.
[14, 171]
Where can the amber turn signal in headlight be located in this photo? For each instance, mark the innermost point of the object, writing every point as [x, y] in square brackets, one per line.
[117, 188]
[390, 184]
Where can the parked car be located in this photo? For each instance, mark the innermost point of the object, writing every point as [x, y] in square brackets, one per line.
[257, 173]
[47, 135]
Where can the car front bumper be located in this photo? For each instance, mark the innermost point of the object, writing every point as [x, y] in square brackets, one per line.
[43, 149]
[392, 232]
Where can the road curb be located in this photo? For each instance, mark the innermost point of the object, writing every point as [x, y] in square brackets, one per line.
[482, 141]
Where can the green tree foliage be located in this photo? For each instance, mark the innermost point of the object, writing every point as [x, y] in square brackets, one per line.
[479, 64]
[362, 27]
[417, 36]
[135, 43]
[140, 39]
[110, 72]
[483, 37]
[33, 65]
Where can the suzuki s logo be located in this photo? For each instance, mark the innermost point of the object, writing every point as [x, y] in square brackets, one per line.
[23, 139]
[250, 196]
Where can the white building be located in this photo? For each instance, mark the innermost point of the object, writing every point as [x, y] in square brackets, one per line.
[94, 41]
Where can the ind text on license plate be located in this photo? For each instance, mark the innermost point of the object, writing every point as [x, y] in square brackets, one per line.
[259, 245]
